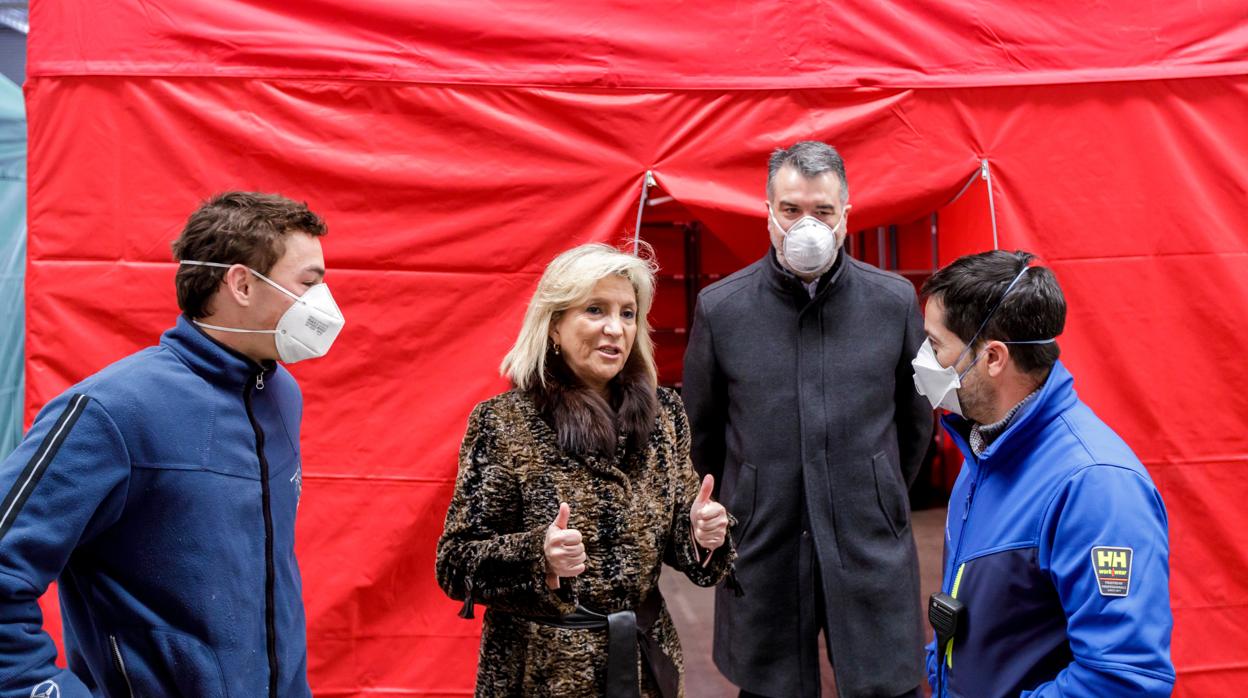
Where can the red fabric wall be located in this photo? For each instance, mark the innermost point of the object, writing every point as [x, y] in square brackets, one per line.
[454, 151]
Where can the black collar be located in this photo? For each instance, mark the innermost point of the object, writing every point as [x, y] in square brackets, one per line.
[789, 285]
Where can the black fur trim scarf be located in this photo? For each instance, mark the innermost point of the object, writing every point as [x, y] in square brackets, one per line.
[583, 421]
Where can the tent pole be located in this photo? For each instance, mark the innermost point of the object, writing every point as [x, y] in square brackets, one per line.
[986, 173]
[646, 183]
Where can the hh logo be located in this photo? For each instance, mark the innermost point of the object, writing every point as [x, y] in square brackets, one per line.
[1112, 559]
[1113, 570]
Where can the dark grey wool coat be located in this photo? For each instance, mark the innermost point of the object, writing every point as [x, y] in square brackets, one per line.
[805, 411]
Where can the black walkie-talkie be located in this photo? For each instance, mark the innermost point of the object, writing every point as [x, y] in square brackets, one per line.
[947, 615]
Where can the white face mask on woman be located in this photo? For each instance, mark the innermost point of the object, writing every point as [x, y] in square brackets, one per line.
[810, 245]
[308, 327]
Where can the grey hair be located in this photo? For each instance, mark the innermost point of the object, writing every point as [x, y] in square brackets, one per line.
[811, 159]
[570, 279]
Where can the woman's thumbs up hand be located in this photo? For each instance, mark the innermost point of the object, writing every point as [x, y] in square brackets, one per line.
[708, 518]
[564, 549]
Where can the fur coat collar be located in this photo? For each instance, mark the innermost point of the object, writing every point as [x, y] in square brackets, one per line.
[586, 423]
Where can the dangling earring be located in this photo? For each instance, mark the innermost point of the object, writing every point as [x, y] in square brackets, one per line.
[558, 350]
[555, 347]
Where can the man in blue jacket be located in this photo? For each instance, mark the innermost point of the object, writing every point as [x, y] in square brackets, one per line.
[1055, 543]
[161, 492]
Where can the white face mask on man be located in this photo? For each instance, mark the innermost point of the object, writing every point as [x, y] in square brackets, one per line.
[940, 384]
[810, 245]
[308, 327]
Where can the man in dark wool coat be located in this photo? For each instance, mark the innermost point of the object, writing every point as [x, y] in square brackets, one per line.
[801, 398]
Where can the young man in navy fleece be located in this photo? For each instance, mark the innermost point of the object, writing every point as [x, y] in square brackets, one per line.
[161, 492]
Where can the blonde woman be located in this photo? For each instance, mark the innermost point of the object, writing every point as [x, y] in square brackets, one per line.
[573, 488]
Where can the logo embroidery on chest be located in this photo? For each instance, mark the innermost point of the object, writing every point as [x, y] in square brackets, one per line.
[47, 689]
[297, 479]
[1113, 569]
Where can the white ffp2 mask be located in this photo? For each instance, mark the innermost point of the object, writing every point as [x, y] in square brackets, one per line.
[939, 384]
[308, 327]
[810, 245]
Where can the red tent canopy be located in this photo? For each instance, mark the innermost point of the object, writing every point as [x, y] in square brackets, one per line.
[455, 149]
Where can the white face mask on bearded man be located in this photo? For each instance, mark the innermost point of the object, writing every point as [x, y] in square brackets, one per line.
[940, 384]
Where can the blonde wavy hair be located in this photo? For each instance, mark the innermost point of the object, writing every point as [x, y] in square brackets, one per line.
[568, 280]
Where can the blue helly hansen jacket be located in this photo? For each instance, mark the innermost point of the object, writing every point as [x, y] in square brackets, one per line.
[1056, 543]
[161, 494]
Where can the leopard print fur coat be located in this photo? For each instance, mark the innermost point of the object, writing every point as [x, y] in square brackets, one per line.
[523, 454]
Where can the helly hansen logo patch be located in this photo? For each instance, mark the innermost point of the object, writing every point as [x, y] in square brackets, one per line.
[1113, 570]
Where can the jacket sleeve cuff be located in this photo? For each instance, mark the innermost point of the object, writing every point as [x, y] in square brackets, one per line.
[703, 567]
[524, 590]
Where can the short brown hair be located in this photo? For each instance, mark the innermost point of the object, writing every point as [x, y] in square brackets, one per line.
[971, 287]
[236, 227]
